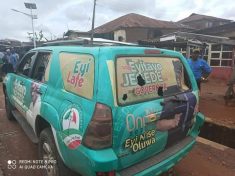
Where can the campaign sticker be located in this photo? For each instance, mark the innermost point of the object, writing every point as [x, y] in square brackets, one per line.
[71, 128]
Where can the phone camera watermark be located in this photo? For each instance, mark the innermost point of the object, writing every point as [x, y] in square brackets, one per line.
[11, 164]
[31, 164]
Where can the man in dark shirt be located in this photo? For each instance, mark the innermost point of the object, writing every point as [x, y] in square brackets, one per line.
[7, 68]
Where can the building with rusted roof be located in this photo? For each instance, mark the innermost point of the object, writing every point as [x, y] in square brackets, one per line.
[133, 27]
[211, 34]
[198, 21]
[226, 30]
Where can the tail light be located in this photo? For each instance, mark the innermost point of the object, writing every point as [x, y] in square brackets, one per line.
[99, 132]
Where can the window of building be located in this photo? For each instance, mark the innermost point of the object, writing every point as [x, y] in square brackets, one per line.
[209, 24]
[226, 63]
[227, 55]
[215, 55]
[215, 62]
[216, 47]
[227, 47]
[221, 55]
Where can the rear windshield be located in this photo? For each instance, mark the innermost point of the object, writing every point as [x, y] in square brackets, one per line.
[145, 78]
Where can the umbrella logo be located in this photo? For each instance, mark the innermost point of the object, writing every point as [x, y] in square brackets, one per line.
[71, 122]
[71, 119]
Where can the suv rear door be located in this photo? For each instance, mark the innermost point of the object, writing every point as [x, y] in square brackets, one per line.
[155, 106]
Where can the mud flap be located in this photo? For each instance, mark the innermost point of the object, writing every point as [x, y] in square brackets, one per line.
[200, 119]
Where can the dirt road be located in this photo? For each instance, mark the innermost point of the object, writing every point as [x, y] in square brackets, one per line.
[203, 160]
[212, 102]
[207, 160]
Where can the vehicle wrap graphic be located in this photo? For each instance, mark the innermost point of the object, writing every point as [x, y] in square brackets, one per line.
[35, 103]
[71, 126]
[144, 78]
[19, 93]
[78, 73]
[140, 142]
[27, 99]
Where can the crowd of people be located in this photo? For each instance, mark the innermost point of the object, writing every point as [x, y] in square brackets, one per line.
[8, 61]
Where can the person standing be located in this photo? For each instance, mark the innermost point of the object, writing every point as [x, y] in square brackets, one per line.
[7, 66]
[199, 66]
[1, 57]
[7, 56]
[1, 64]
[13, 59]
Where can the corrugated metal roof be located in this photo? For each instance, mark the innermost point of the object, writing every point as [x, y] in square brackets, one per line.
[135, 20]
[215, 30]
[196, 17]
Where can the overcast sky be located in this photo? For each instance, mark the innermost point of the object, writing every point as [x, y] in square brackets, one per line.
[57, 16]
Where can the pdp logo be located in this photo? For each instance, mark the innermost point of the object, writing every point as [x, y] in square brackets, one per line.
[11, 164]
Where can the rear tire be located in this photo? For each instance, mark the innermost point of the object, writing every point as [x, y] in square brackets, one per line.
[9, 108]
[48, 151]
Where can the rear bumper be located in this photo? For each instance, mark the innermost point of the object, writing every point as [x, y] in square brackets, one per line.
[162, 161]
[88, 162]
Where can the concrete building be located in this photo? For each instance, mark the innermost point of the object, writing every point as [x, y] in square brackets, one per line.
[198, 21]
[134, 27]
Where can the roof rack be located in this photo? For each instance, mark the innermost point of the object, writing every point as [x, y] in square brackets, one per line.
[87, 42]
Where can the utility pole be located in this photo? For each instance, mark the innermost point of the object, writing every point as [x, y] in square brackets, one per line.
[32, 6]
[34, 40]
[93, 23]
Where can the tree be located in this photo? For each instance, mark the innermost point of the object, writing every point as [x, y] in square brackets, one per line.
[38, 36]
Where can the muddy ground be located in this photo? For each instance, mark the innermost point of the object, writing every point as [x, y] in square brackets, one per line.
[212, 103]
[203, 160]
